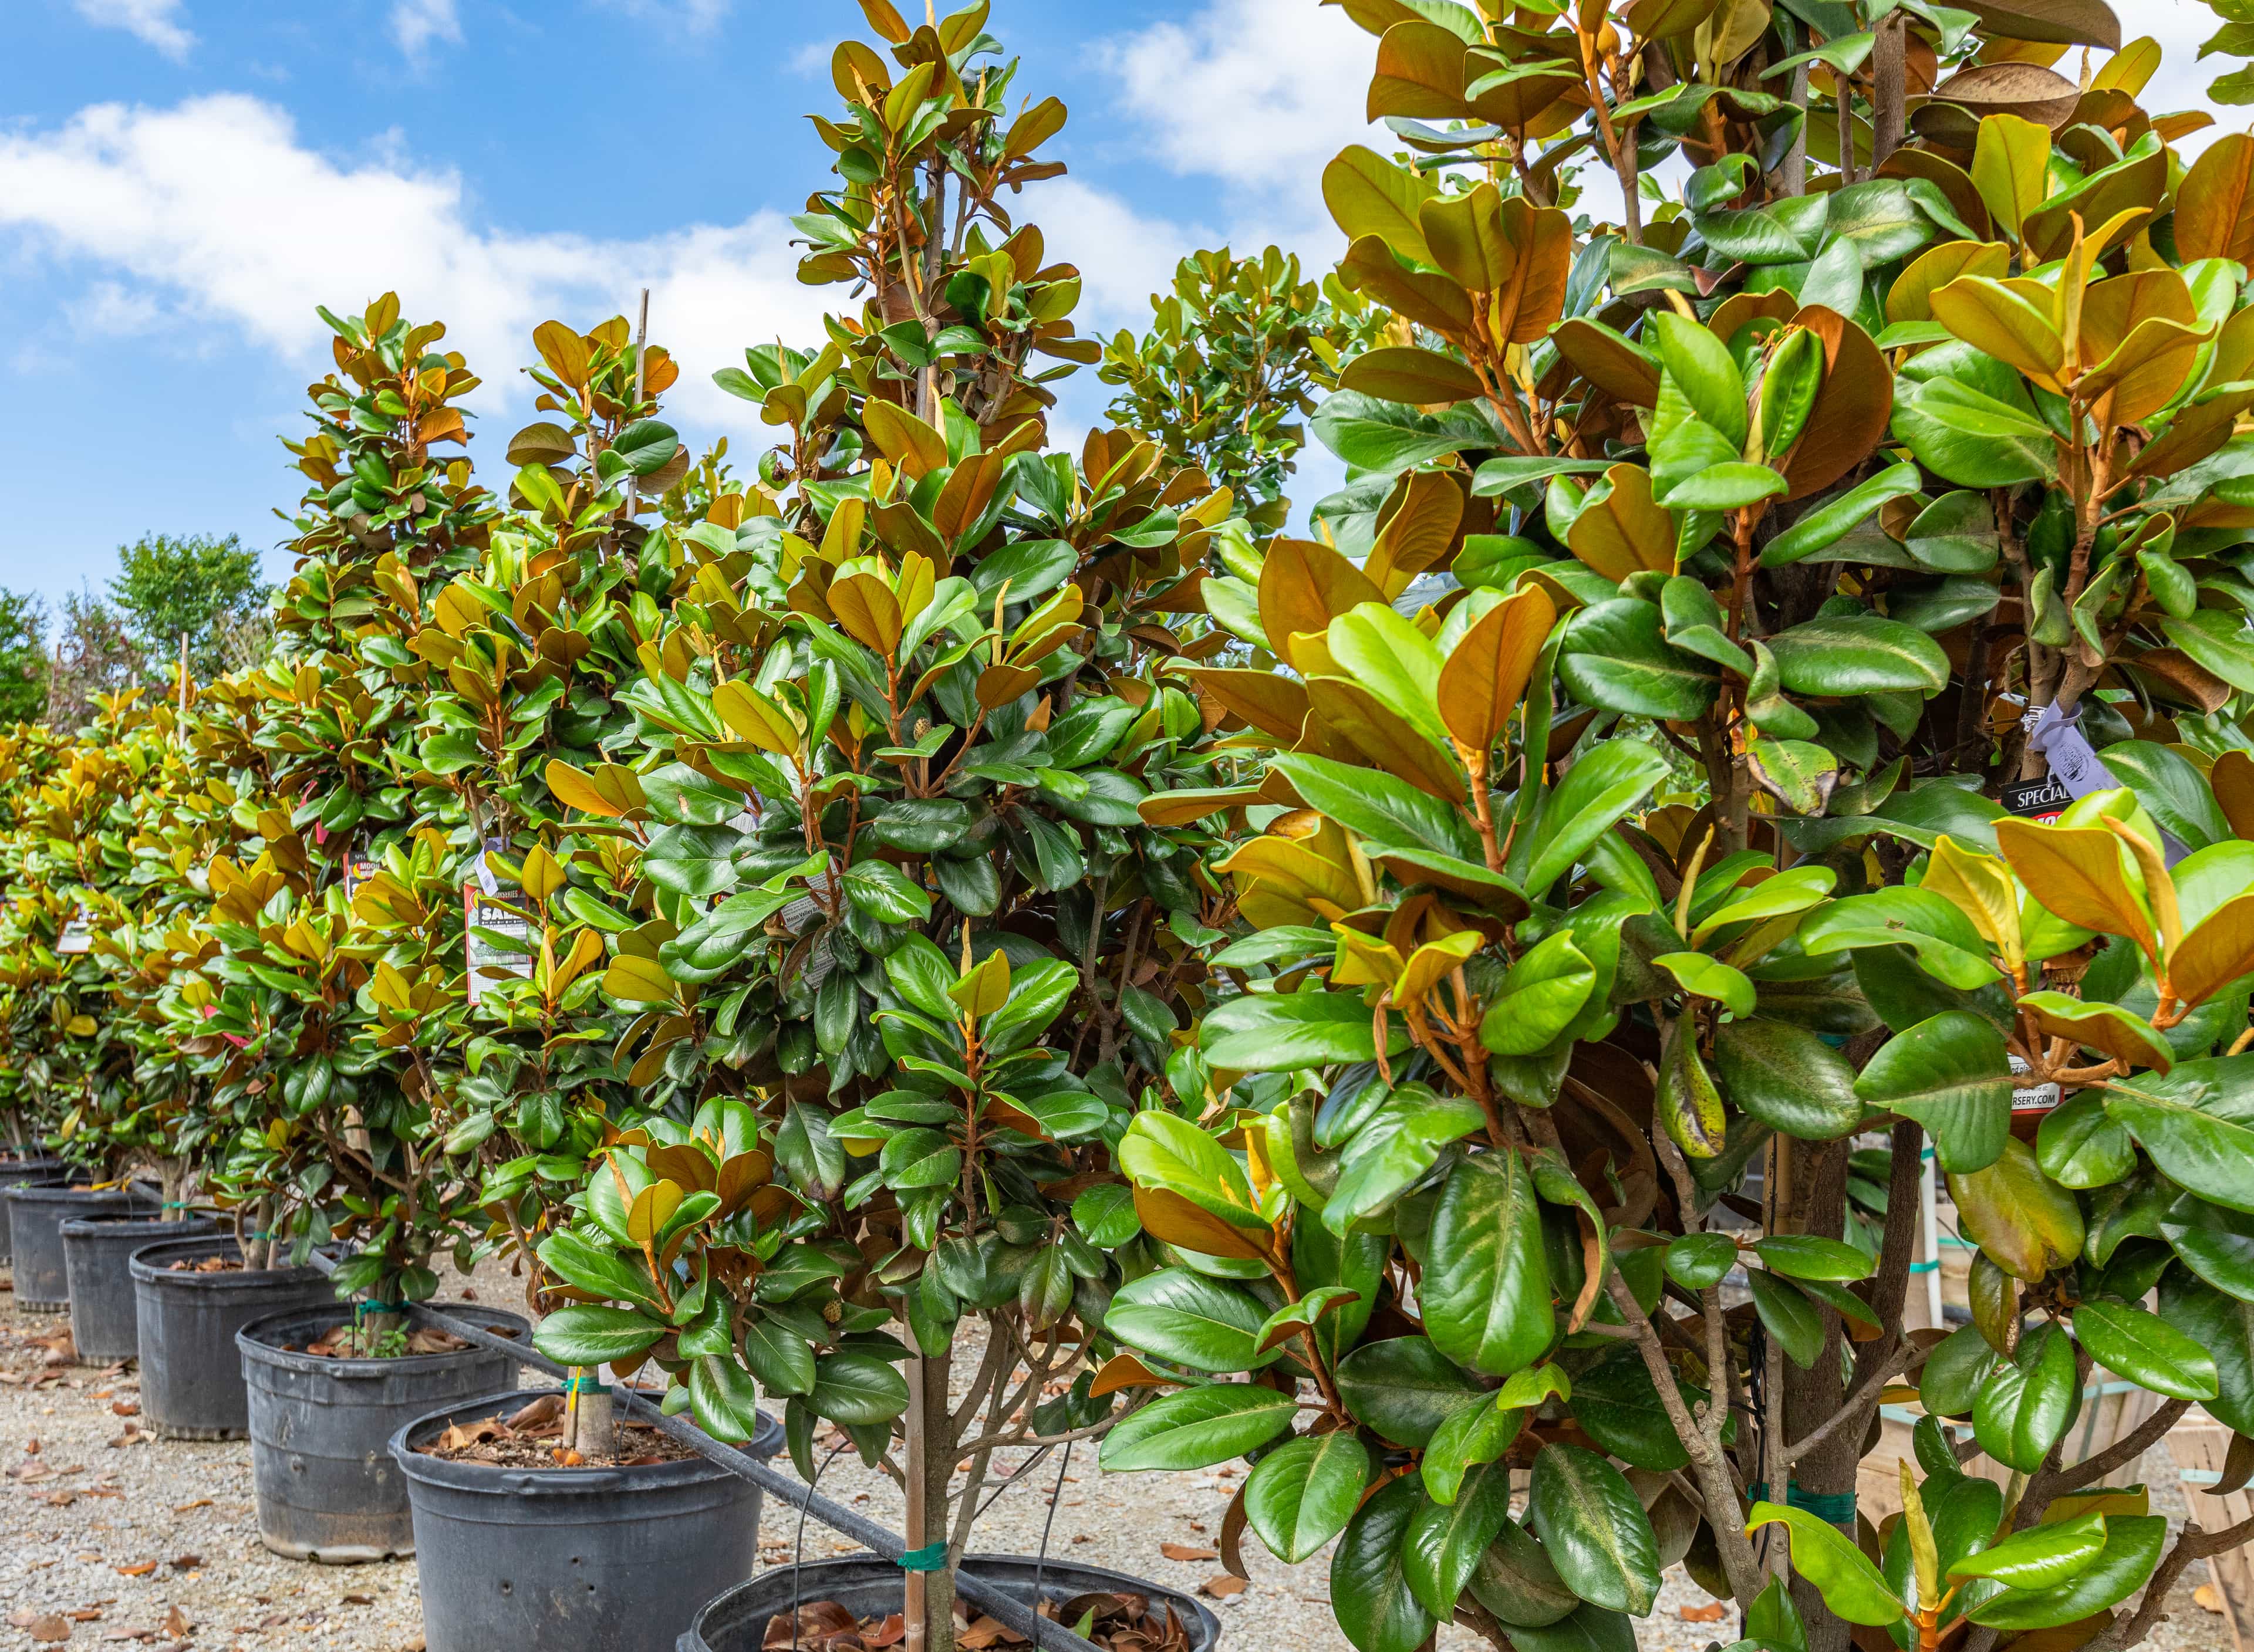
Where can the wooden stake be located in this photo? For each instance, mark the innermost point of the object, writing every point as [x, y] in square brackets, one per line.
[641, 343]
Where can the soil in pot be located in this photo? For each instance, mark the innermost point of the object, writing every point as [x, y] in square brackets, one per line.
[853, 1605]
[580, 1559]
[105, 1325]
[531, 1437]
[325, 1396]
[1117, 1620]
[192, 1297]
[35, 1226]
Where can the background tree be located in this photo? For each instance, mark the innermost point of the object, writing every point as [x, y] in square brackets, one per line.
[94, 655]
[170, 584]
[1230, 365]
[23, 656]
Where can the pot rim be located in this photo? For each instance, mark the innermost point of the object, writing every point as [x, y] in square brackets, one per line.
[494, 1479]
[138, 1195]
[88, 1227]
[252, 1340]
[1052, 1567]
[145, 1271]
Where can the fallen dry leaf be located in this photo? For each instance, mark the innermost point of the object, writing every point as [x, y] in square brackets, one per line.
[139, 1569]
[186, 1562]
[2207, 1596]
[125, 1407]
[50, 1628]
[1710, 1612]
[200, 1503]
[176, 1623]
[358, 1600]
[1183, 1551]
[1221, 1588]
[22, 1617]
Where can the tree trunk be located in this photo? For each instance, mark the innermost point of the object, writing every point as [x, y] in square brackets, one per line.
[1814, 1396]
[929, 1595]
[1889, 90]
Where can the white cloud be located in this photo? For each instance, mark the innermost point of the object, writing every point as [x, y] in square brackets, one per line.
[1258, 95]
[1123, 257]
[415, 23]
[697, 17]
[154, 22]
[111, 310]
[204, 215]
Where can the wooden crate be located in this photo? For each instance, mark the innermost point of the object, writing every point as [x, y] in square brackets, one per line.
[2199, 1446]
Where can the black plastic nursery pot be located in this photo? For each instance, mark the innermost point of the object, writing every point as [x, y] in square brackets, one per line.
[573, 1559]
[24, 1172]
[104, 1326]
[321, 1430]
[35, 1223]
[870, 1587]
[192, 1385]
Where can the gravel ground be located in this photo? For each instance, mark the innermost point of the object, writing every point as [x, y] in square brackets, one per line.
[109, 1536]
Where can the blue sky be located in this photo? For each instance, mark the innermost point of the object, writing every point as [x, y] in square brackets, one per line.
[182, 180]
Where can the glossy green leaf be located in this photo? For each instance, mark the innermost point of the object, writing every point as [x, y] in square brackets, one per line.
[1279, 1031]
[2040, 1557]
[1594, 1530]
[1477, 1431]
[1198, 1427]
[1404, 1387]
[1539, 996]
[2145, 1348]
[2133, 1550]
[1446, 1540]
[1301, 1494]
[1842, 1574]
[1865, 655]
[1185, 1319]
[1369, 1587]
[2023, 1409]
[1788, 1316]
[1486, 1292]
[1951, 1074]
[1788, 1078]
[1698, 1260]
[1806, 1256]
[1516, 1581]
[1619, 1407]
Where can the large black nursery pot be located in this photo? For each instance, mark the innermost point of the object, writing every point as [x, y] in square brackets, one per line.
[23, 1171]
[96, 1249]
[191, 1384]
[574, 1559]
[35, 1223]
[321, 1429]
[737, 1621]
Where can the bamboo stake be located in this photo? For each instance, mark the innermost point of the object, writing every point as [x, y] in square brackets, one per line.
[641, 344]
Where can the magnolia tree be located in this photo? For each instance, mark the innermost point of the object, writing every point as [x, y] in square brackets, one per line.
[1890, 466]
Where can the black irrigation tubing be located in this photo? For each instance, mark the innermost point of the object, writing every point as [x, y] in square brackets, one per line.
[1010, 1613]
